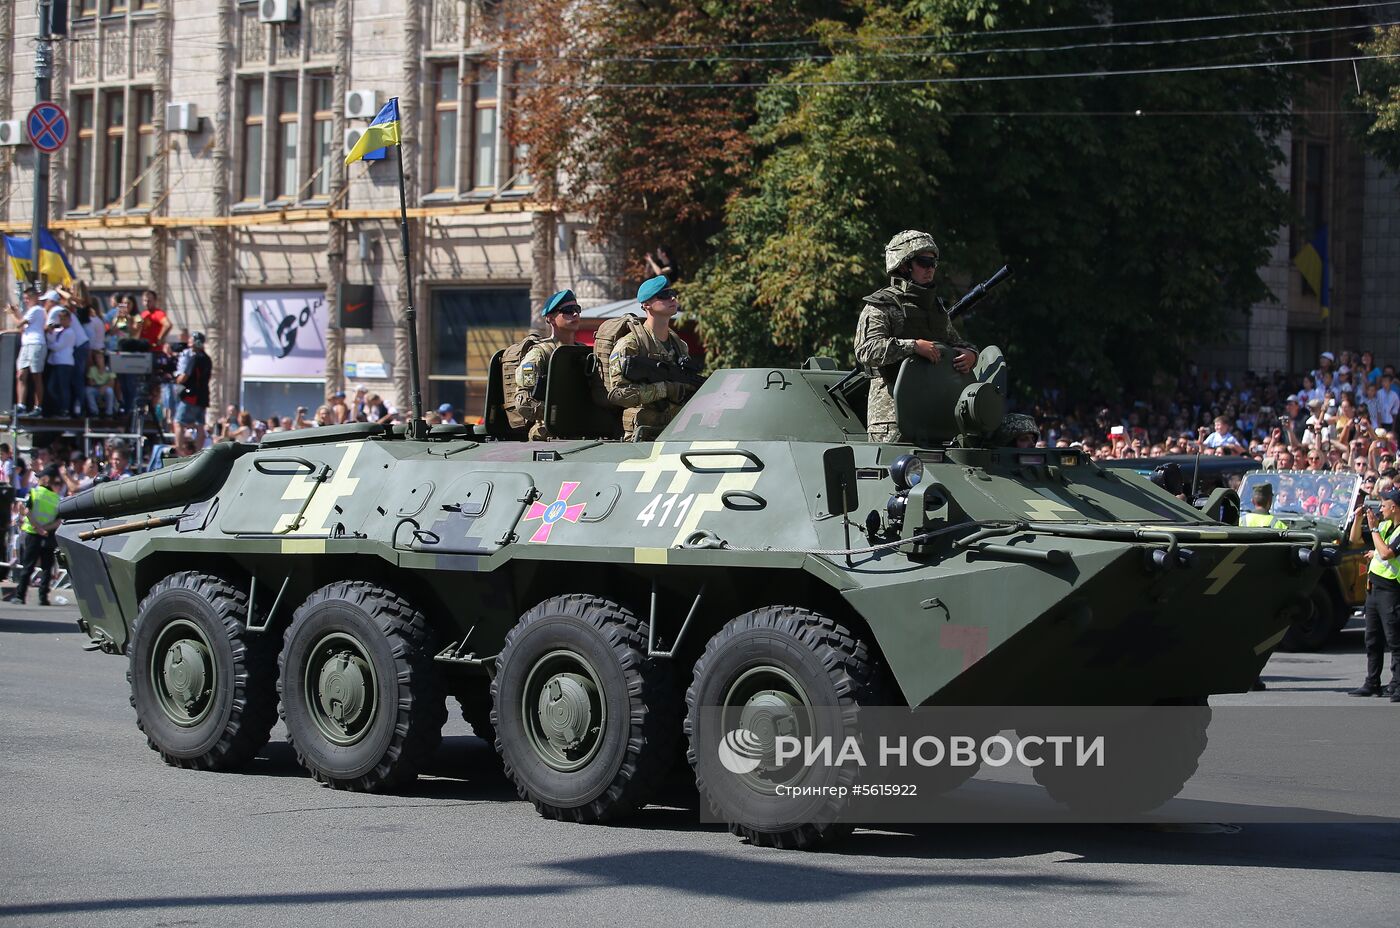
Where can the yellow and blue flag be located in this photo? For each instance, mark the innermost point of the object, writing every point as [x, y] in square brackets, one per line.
[1312, 263]
[384, 130]
[53, 263]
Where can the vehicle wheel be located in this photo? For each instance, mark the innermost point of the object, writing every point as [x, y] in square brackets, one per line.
[1313, 633]
[204, 689]
[361, 698]
[585, 722]
[1150, 764]
[774, 669]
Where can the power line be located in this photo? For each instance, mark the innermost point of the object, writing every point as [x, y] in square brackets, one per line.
[958, 53]
[992, 78]
[1035, 30]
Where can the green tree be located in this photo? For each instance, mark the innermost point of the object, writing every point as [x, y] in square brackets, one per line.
[1380, 95]
[1133, 236]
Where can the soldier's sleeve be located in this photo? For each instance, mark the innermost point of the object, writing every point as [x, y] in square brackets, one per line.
[876, 345]
[623, 392]
[526, 376]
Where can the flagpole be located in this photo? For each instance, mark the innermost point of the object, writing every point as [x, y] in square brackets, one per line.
[417, 428]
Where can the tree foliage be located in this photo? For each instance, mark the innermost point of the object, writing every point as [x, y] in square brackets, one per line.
[1380, 95]
[1135, 209]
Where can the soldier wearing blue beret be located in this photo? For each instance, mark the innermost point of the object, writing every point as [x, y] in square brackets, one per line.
[648, 406]
[562, 313]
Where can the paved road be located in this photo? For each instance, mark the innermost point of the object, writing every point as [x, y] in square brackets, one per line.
[97, 831]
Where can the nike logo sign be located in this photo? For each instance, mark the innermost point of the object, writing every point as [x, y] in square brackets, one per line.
[355, 307]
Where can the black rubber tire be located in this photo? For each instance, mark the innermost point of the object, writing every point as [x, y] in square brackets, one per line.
[834, 665]
[1314, 632]
[632, 758]
[411, 706]
[244, 682]
[1162, 760]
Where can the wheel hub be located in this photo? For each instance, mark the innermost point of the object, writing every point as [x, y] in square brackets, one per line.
[342, 689]
[186, 671]
[182, 673]
[768, 714]
[563, 710]
[566, 710]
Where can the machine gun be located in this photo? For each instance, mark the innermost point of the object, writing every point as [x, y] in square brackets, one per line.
[973, 296]
[650, 370]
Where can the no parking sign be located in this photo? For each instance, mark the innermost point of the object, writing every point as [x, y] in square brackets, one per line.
[48, 127]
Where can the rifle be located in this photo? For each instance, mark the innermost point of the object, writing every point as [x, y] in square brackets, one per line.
[650, 370]
[973, 296]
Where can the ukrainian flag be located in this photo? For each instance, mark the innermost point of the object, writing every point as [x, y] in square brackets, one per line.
[382, 132]
[1312, 263]
[53, 263]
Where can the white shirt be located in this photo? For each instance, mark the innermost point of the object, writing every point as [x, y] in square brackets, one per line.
[1390, 405]
[80, 333]
[34, 318]
[61, 343]
[97, 331]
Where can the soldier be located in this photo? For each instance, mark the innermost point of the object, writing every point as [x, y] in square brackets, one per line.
[1017, 430]
[901, 321]
[1262, 516]
[561, 311]
[647, 407]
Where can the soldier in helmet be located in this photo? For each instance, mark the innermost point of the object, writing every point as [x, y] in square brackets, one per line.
[648, 407]
[1017, 430]
[900, 321]
[561, 311]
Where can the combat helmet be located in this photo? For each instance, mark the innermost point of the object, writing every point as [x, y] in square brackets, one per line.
[1012, 425]
[906, 245]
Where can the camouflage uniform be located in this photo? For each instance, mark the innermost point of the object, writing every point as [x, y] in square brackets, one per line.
[646, 407]
[533, 365]
[894, 317]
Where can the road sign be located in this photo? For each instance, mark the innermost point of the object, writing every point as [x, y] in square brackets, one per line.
[48, 127]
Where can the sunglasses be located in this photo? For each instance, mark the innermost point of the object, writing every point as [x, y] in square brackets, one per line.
[925, 262]
[568, 311]
[667, 294]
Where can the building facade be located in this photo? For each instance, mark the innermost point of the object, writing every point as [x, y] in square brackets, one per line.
[206, 162]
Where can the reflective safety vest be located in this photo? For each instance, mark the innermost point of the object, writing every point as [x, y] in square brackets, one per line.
[43, 510]
[1382, 568]
[1261, 520]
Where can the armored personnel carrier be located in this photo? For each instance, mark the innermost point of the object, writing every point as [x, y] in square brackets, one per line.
[585, 600]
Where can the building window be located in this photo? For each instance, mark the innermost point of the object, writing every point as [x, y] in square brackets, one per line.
[116, 6]
[467, 328]
[83, 149]
[85, 8]
[1315, 190]
[288, 127]
[252, 139]
[446, 84]
[484, 131]
[145, 101]
[113, 155]
[322, 132]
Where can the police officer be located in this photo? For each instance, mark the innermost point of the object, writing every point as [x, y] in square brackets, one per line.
[901, 321]
[1262, 517]
[1382, 607]
[39, 533]
[561, 311]
[647, 407]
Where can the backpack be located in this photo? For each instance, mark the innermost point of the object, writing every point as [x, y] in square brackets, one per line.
[510, 362]
[607, 335]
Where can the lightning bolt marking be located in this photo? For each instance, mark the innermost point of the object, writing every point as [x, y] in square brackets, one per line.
[1225, 571]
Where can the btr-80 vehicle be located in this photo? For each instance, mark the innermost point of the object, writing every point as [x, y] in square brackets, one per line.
[585, 599]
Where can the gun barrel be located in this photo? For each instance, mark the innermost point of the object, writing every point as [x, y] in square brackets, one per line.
[973, 296]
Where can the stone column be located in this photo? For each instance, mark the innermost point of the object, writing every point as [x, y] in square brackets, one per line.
[337, 237]
[221, 330]
[409, 121]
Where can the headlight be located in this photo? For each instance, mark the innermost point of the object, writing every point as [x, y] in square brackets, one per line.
[906, 471]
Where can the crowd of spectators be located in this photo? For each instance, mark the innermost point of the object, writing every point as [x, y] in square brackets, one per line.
[1341, 416]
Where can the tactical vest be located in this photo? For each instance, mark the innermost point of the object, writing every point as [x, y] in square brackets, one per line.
[510, 362]
[1383, 568]
[43, 510]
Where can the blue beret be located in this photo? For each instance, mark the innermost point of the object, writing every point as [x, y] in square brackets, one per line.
[652, 287]
[559, 301]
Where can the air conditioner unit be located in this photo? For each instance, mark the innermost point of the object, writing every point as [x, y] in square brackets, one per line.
[181, 117]
[353, 135]
[279, 11]
[11, 132]
[361, 104]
